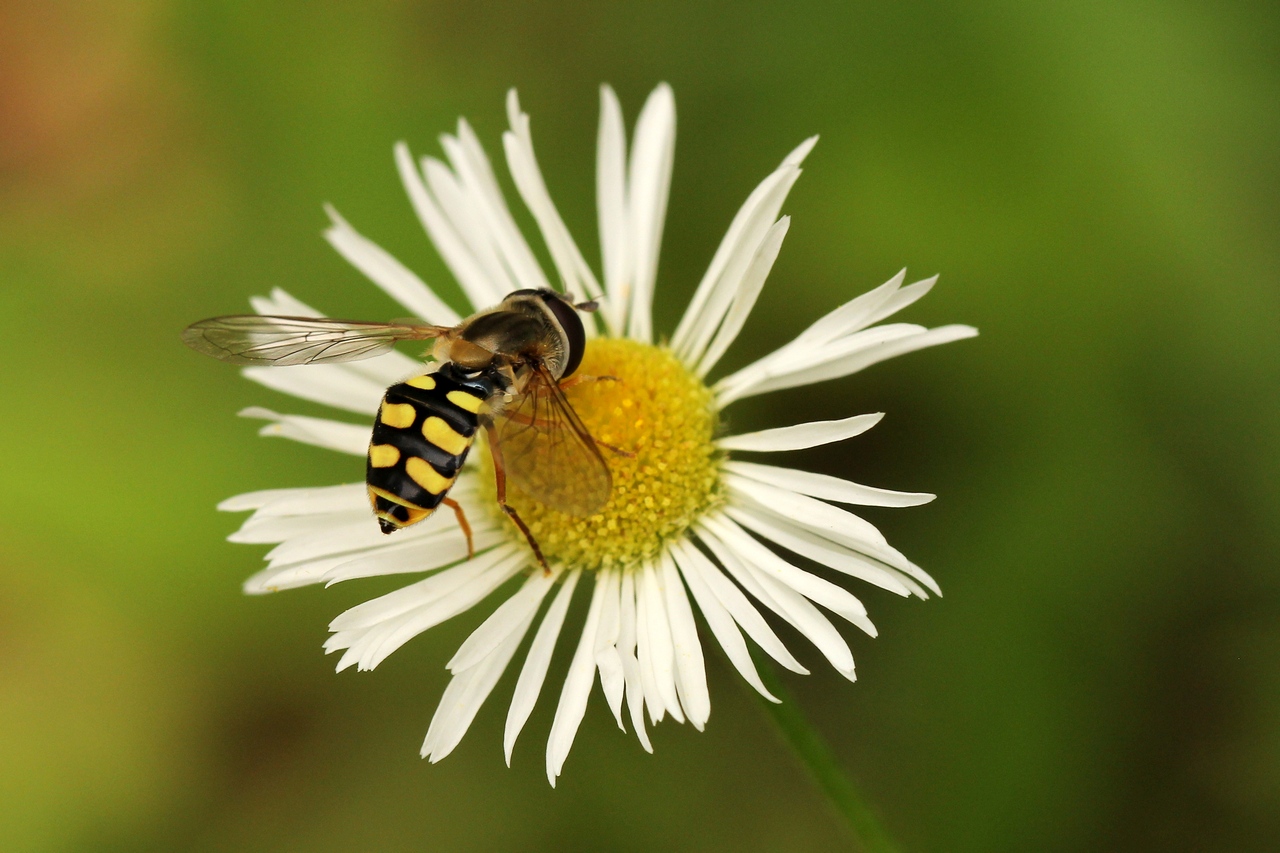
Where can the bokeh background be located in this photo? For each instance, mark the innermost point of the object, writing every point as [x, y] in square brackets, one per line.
[1097, 183]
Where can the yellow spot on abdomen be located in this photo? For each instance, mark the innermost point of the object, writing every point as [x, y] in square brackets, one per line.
[375, 492]
[421, 472]
[398, 415]
[463, 400]
[383, 455]
[416, 513]
[443, 436]
[426, 382]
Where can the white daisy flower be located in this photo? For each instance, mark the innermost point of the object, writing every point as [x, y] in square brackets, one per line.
[688, 524]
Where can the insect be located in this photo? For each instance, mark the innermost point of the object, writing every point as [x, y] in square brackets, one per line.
[503, 370]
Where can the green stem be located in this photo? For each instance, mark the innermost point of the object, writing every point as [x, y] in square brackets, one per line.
[815, 754]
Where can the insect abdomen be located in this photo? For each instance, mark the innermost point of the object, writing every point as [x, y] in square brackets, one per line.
[424, 430]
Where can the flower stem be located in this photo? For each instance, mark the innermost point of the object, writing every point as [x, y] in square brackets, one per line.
[815, 754]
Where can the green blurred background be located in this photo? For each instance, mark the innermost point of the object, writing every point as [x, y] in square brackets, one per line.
[1098, 185]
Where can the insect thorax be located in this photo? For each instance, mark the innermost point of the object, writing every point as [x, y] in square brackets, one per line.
[519, 331]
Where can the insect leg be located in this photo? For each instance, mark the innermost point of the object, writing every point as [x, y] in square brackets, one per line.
[541, 423]
[500, 481]
[579, 378]
[618, 450]
[463, 523]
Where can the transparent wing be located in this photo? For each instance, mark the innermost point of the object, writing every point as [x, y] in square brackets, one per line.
[549, 454]
[283, 341]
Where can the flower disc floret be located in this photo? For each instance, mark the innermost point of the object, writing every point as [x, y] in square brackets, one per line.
[662, 418]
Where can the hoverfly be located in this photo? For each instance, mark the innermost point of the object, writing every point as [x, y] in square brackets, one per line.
[503, 369]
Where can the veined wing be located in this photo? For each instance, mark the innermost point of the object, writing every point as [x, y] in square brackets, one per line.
[284, 341]
[549, 454]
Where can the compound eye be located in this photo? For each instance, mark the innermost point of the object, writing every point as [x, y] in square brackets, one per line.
[575, 334]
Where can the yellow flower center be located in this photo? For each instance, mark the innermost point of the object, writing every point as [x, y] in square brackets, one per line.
[663, 418]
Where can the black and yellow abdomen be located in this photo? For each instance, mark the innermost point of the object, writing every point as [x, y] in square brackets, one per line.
[424, 429]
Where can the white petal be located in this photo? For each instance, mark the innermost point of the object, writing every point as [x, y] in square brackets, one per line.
[379, 610]
[661, 649]
[820, 591]
[465, 212]
[847, 365]
[826, 487]
[577, 688]
[871, 307]
[727, 287]
[831, 523]
[353, 532]
[801, 436]
[630, 665]
[777, 596]
[821, 551]
[316, 545]
[832, 337]
[748, 290]
[608, 659]
[610, 612]
[369, 647]
[902, 298]
[611, 205]
[281, 576]
[511, 240]
[865, 357]
[800, 356]
[321, 432]
[331, 384]
[712, 298]
[442, 548]
[357, 536]
[256, 500]
[534, 671]
[301, 501]
[741, 608]
[466, 693]
[389, 274]
[800, 152]
[274, 529]
[649, 181]
[653, 697]
[509, 615]
[451, 246]
[692, 564]
[280, 302]
[808, 621]
[704, 319]
[476, 175]
[521, 160]
[852, 316]
[690, 668]
[353, 499]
